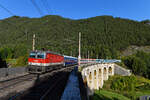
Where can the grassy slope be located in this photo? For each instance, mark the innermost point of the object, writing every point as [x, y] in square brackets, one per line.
[140, 82]
[108, 94]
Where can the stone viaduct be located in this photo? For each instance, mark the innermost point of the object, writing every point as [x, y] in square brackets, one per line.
[95, 75]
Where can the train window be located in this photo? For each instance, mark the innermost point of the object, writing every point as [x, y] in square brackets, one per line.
[40, 55]
[32, 55]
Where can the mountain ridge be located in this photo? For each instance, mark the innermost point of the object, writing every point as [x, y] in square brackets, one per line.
[104, 36]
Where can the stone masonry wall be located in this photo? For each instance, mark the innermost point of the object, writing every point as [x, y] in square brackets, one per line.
[121, 71]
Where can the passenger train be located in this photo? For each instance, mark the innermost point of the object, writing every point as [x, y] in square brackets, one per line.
[43, 61]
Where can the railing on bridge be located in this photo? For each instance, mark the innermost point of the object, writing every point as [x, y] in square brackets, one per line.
[82, 61]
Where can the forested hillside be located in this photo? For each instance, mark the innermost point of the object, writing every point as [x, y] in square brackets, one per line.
[102, 36]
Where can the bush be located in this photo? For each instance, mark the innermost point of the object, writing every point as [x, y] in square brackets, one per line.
[6, 53]
[126, 83]
[138, 64]
[22, 61]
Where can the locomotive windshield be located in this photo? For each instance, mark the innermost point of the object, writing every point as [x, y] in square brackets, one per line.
[32, 55]
[41, 55]
[38, 55]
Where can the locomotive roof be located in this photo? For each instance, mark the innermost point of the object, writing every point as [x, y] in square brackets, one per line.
[52, 53]
[46, 52]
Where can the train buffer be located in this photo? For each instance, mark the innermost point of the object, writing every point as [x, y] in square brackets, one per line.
[72, 90]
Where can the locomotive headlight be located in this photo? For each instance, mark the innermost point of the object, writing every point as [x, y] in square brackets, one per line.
[29, 63]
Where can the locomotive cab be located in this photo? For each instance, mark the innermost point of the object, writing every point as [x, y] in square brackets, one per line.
[36, 61]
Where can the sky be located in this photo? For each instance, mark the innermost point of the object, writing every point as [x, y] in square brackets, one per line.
[78, 9]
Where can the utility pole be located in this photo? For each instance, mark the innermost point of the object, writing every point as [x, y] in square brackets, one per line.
[88, 56]
[33, 44]
[79, 57]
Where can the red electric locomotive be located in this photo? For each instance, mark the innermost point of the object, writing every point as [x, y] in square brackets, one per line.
[42, 61]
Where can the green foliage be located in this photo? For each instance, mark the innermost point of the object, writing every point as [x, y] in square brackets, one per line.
[126, 83]
[6, 53]
[107, 95]
[139, 66]
[146, 22]
[22, 61]
[139, 63]
[146, 86]
[129, 86]
[11, 62]
[20, 50]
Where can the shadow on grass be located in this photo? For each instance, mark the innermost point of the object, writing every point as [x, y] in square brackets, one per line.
[101, 97]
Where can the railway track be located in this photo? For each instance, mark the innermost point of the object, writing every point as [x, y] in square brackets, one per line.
[50, 87]
[15, 81]
[52, 92]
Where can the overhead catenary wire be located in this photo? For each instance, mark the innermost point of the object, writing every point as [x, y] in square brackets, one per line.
[50, 9]
[7, 10]
[47, 6]
[37, 7]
